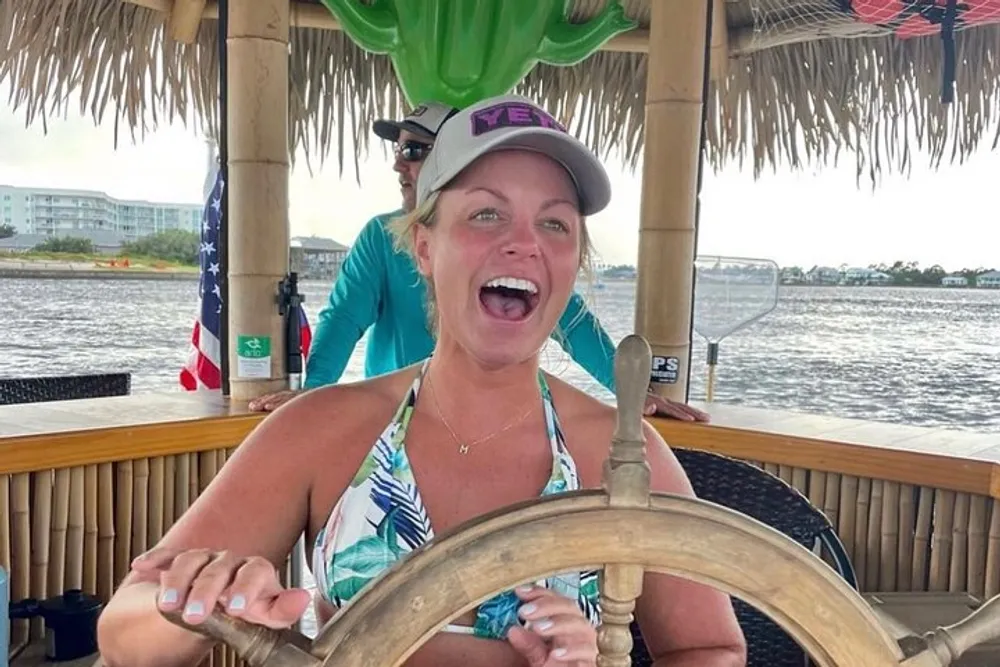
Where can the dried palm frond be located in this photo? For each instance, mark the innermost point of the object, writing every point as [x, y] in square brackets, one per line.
[790, 97]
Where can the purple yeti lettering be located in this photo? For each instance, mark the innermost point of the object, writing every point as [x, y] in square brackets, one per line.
[511, 114]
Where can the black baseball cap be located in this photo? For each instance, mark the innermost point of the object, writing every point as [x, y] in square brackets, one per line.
[424, 121]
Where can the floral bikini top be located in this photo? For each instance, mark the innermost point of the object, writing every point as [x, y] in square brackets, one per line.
[381, 518]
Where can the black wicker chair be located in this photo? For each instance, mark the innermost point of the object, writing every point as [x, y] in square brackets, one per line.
[759, 494]
[63, 388]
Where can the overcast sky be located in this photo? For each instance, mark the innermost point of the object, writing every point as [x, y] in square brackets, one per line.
[949, 217]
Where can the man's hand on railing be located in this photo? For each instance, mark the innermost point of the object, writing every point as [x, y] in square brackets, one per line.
[271, 402]
[664, 407]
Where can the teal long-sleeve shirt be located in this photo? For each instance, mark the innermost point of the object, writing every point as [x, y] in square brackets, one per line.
[378, 287]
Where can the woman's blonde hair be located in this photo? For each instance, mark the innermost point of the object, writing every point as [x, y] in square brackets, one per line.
[404, 229]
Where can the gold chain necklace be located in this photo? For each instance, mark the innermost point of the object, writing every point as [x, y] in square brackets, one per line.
[463, 448]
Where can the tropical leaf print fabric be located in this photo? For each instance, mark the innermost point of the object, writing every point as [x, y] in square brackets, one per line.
[381, 518]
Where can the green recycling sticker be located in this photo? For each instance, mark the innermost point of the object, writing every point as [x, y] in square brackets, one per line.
[253, 356]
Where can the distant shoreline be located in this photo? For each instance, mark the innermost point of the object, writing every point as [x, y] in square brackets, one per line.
[54, 270]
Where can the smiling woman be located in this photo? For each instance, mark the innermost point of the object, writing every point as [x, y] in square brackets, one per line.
[380, 469]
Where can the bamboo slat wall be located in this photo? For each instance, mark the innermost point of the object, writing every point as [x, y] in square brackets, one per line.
[81, 527]
[902, 537]
[71, 517]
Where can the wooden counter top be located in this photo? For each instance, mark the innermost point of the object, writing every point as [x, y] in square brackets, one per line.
[942, 458]
[36, 436]
[115, 412]
[66, 433]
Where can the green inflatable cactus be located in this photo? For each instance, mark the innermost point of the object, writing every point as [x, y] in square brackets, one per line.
[461, 51]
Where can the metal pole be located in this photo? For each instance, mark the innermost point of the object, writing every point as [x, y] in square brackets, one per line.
[709, 25]
[223, 277]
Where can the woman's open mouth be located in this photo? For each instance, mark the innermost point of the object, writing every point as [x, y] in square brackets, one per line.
[509, 299]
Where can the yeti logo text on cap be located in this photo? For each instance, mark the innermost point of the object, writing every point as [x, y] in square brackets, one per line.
[511, 114]
[512, 122]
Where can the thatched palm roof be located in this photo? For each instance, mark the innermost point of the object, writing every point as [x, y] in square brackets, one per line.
[805, 82]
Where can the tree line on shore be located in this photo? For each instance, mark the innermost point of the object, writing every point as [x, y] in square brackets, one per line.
[909, 273]
[900, 272]
[182, 247]
[173, 245]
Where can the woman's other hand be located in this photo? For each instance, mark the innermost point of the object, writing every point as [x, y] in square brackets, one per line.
[196, 580]
[557, 635]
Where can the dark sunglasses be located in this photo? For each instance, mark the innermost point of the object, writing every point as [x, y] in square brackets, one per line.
[413, 151]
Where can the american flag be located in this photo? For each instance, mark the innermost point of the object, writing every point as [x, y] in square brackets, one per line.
[203, 369]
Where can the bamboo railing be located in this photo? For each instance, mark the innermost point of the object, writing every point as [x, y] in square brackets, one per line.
[78, 504]
[81, 527]
[911, 520]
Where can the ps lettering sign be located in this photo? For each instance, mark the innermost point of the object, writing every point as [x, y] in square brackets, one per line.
[511, 114]
[664, 370]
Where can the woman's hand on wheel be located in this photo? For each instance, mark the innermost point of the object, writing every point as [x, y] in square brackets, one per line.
[558, 634]
[196, 580]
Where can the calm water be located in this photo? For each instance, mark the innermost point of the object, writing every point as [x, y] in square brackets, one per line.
[910, 356]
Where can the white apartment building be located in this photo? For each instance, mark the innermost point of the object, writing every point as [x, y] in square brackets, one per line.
[53, 212]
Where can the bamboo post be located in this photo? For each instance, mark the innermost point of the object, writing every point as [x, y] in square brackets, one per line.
[185, 19]
[41, 519]
[57, 538]
[258, 162]
[123, 520]
[157, 477]
[978, 518]
[889, 538]
[6, 522]
[208, 468]
[941, 539]
[874, 536]
[140, 507]
[20, 556]
[719, 58]
[992, 579]
[958, 577]
[907, 534]
[6, 528]
[169, 493]
[675, 78]
[75, 529]
[91, 533]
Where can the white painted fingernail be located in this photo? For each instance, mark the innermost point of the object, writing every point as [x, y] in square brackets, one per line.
[194, 608]
[168, 596]
[238, 602]
[527, 610]
[559, 653]
[543, 624]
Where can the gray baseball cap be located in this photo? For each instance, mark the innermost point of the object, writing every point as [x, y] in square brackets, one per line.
[425, 120]
[505, 123]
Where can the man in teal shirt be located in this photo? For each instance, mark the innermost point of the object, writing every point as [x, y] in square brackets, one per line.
[379, 290]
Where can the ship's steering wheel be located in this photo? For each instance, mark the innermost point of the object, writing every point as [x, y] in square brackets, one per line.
[624, 530]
